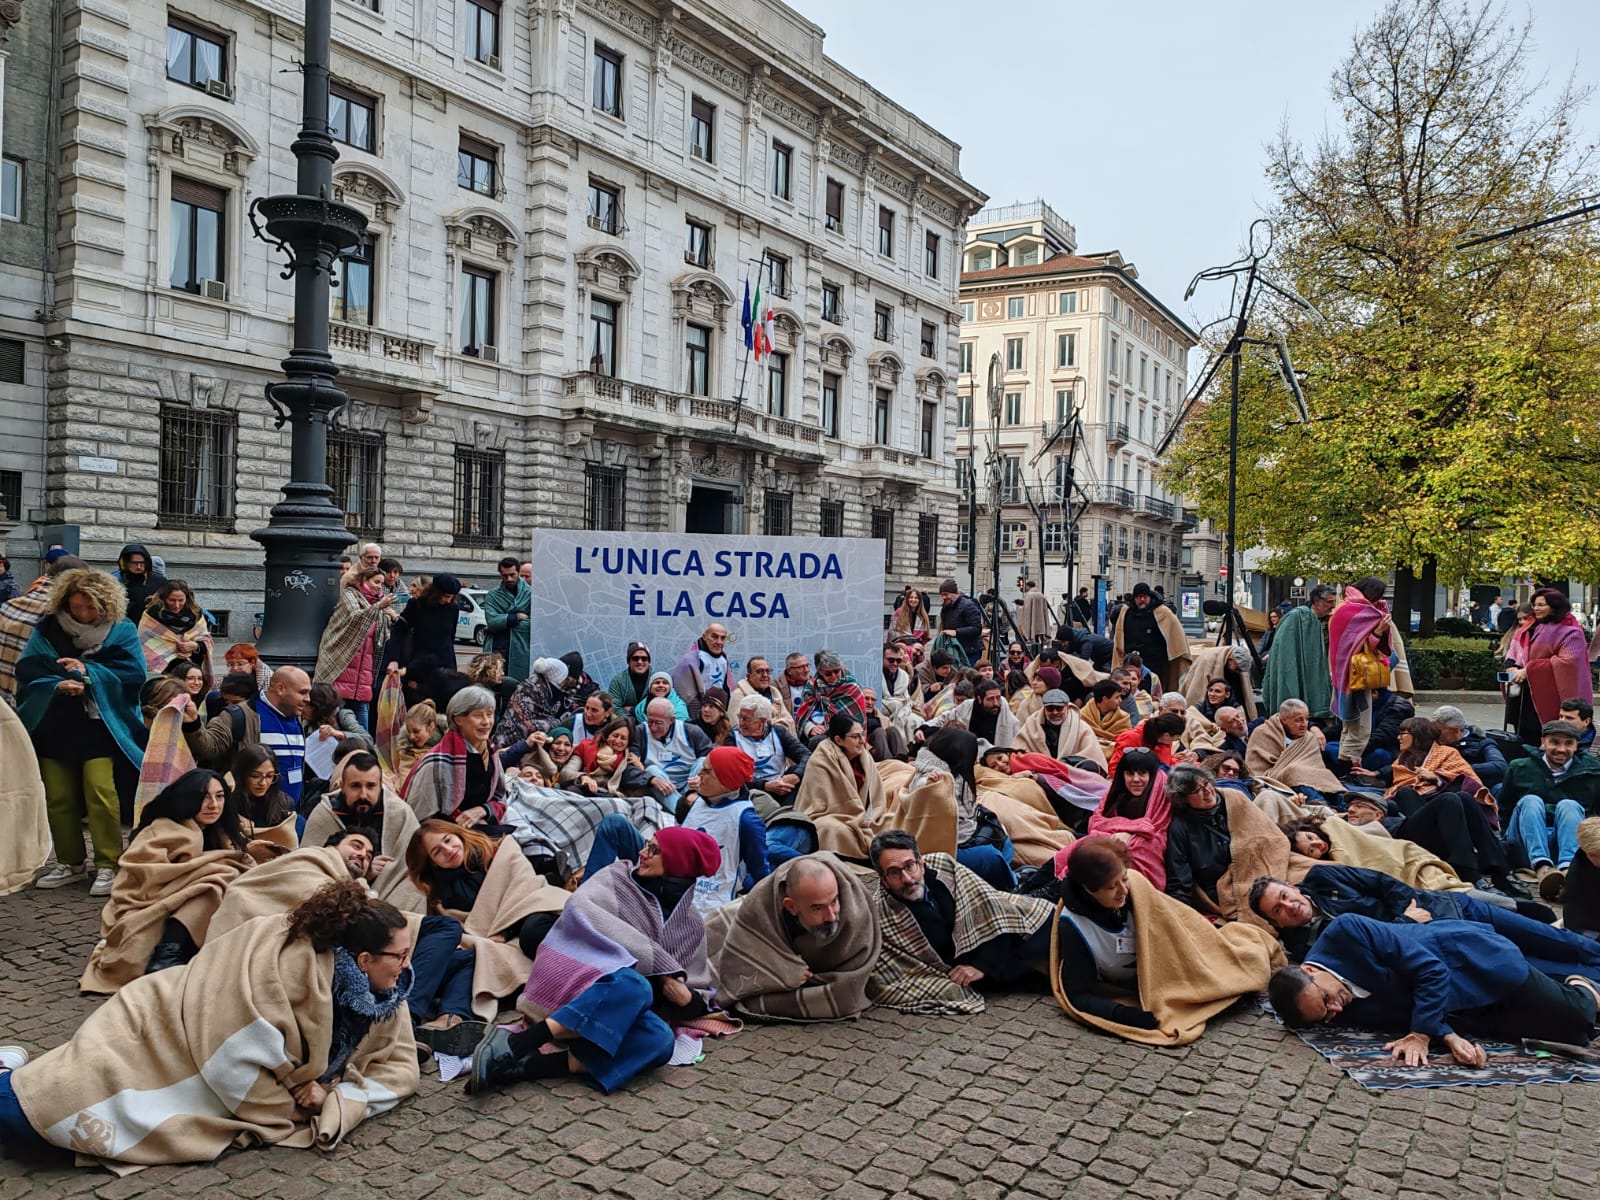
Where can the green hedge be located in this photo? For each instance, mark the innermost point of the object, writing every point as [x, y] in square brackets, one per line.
[1452, 663]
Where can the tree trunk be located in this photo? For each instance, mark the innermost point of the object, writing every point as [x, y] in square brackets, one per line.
[1429, 589]
[1404, 582]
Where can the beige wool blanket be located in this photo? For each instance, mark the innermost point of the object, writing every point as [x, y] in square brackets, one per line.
[842, 810]
[1270, 755]
[927, 811]
[1078, 737]
[399, 823]
[1216, 662]
[1035, 831]
[1104, 726]
[1188, 970]
[26, 844]
[182, 1064]
[165, 872]
[274, 888]
[761, 970]
[1405, 860]
[511, 892]
[1256, 847]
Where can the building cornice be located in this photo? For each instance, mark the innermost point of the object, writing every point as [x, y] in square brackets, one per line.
[1046, 277]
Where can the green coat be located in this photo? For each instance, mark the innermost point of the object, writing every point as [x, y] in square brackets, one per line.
[1297, 664]
[1529, 776]
[505, 636]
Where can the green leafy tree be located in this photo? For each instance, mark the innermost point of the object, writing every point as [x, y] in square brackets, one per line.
[1454, 394]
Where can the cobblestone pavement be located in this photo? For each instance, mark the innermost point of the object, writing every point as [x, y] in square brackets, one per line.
[1016, 1102]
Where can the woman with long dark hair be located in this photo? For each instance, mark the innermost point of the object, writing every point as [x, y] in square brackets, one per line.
[422, 641]
[256, 794]
[186, 848]
[1136, 813]
[1556, 666]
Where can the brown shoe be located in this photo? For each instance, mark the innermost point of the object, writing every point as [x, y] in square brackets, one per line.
[1552, 883]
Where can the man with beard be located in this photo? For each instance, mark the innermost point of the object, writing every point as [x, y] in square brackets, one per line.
[361, 803]
[1154, 632]
[986, 715]
[800, 946]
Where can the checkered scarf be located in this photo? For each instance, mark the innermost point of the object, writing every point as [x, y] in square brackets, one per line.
[18, 616]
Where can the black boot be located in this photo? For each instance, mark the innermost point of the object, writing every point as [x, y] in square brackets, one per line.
[167, 954]
[1511, 886]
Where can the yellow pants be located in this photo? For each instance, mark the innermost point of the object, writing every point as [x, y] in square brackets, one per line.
[75, 792]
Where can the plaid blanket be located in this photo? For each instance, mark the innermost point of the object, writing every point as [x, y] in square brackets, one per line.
[910, 976]
[18, 616]
[549, 820]
[160, 644]
[611, 923]
[352, 621]
[391, 722]
[438, 781]
[166, 754]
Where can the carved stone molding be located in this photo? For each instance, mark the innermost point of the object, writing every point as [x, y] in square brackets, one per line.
[355, 186]
[837, 351]
[607, 268]
[201, 137]
[623, 16]
[10, 15]
[482, 234]
[784, 109]
[885, 367]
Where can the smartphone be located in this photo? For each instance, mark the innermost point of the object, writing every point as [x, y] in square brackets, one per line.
[1503, 676]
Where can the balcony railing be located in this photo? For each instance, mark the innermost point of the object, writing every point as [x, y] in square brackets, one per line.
[1188, 520]
[629, 402]
[1117, 433]
[1110, 494]
[1159, 508]
[365, 339]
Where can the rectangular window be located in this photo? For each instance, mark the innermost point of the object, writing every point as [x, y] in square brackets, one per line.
[882, 322]
[963, 538]
[607, 80]
[777, 268]
[830, 404]
[885, 231]
[355, 473]
[1065, 400]
[196, 56]
[1016, 307]
[1054, 542]
[963, 410]
[480, 497]
[605, 207]
[883, 527]
[966, 310]
[832, 303]
[963, 477]
[880, 416]
[1066, 350]
[930, 428]
[10, 495]
[702, 130]
[604, 496]
[1116, 308]
[197, 468]
[1061, 478]
[13, 360]
[12, 177]
[352, 287]
[603, 339]
[1114, 347]
[777, 513]
[777, 384]
[1067, 302]
[483, 32]
[1013, 354]
[966, 358]
[1144, 371]
[1010, 480]
[982, 260]
[352, 117]
[1013, 409]
[831, 522]
[478, 288]
[929, 340]
[928, 544]
[697, 244]
[475, 166]
[833, 211]
[782, 171]
[1013, 537]
[199, 227]
[930, 255]
[697, 360]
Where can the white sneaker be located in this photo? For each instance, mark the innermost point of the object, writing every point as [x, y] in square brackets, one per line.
[103, 879]
[57, 876]
[12, 1057]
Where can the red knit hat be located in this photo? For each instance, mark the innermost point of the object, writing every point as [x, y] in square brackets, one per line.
[727, 769]
[688, 853]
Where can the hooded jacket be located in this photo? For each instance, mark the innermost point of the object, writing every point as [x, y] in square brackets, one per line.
[139, 587]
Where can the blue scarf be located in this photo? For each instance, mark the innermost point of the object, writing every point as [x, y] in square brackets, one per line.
[353, 990]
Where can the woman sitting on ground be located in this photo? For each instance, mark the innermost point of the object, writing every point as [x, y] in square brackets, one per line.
[461, 777]
[282, 1033]
[257, 798]
[1136, 813]
[187, 847]
[189, 676]
[660, 688]
[482, 888]
[608, 764]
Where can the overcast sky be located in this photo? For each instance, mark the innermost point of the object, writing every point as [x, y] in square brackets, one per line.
[1141, 123]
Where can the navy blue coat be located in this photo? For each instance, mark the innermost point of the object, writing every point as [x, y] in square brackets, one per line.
[1418, 974]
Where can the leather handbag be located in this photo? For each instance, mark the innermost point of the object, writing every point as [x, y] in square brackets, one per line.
[1369, 671]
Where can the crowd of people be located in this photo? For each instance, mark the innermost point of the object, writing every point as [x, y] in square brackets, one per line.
[528, 873]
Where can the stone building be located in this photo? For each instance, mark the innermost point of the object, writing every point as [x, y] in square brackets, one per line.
[1092, 370]
[567, 199]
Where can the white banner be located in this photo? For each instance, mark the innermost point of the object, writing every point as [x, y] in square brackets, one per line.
[595, 592]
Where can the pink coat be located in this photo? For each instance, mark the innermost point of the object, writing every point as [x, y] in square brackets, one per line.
[355, 682]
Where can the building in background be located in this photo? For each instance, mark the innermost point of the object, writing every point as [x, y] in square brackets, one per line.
[1093, 369]
[566, 203]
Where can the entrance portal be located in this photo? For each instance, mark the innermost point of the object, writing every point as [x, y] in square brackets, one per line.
[712, 509]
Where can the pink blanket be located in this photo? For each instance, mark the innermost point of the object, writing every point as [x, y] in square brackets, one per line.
[1147, 836]
[1353, 622]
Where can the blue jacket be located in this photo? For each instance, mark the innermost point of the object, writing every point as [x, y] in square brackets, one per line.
[1418, 974]
[1483, 756]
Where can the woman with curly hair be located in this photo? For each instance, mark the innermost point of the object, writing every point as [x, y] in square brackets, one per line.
[285, 1033]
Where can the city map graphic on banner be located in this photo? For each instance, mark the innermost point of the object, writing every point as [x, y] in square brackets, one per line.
[594, 592]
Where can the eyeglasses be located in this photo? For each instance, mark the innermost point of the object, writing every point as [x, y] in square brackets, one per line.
[263, 776]
[761, 670]
[912, 868]
[650, 848]
[403, 956]
[638, 658]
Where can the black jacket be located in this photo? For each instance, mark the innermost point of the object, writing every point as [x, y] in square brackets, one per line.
[963, 619]
[1199, 851]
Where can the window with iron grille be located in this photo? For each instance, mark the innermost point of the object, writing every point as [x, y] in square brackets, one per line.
[606, 496]
[355, 473]
[777, 514]
[928, 544]
[13, 356]
[479, 498]
[883, 527]
[832, 523]
[11, 495]
[197, 468]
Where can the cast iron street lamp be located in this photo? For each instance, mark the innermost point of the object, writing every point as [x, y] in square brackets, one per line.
[306, 532]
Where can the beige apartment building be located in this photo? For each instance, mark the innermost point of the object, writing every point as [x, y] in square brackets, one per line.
[1092, 369]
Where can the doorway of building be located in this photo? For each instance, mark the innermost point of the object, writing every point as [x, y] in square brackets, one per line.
[712, 509]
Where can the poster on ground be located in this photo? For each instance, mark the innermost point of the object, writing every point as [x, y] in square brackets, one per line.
[594, 592]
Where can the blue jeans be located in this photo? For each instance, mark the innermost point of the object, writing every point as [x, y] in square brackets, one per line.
[442, 971]
[991, 863]
[1529, 836]
[19, 1140]
[614, 838]
[361, 710]
[621, 1037]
